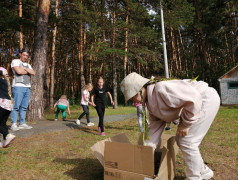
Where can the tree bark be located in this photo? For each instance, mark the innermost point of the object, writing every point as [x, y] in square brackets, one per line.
[114, 62]
[52, 72]
[126, 42]
[81, 60]
[36, 106]
[20, 33]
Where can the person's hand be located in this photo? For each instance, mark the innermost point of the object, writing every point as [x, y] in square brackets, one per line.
[94, 105]
[112, 102]
[182, 130]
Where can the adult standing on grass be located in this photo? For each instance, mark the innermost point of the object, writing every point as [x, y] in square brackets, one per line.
[21, 89]
[193, 102]
[6, 105]
[99, 102]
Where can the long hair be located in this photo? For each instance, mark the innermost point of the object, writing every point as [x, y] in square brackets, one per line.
[87, 86]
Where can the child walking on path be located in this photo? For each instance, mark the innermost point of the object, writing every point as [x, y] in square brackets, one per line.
[84, 103]
[99, 102]
[62, 104]
[6, 106]
[194, 102]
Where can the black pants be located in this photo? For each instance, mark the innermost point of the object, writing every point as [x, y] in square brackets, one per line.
[100, 110]
[85, 111]
[4, 114]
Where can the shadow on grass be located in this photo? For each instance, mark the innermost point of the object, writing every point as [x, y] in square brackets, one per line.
[87, 169]
[126, 127]
[82, 128]
[83, 169]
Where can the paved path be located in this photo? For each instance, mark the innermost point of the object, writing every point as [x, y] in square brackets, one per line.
[53, 126]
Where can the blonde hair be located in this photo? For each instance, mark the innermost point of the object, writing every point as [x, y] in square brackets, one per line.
[100, 78]
[88, 86]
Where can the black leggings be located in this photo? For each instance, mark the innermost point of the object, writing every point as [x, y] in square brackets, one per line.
[100, 110]
[85, 111]
[4, 114]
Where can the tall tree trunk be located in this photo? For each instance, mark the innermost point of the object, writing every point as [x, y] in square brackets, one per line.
[80, 54]
[183, 51]
[81, 61]
[90, 65]
[114, 62]
[174, 57]
[20, 33]
[36, 106]
[126, 42]
[66, 67]
[52, 72]
[202, 47]
[103, 34]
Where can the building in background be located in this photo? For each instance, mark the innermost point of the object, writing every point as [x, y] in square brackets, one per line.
[229, 87]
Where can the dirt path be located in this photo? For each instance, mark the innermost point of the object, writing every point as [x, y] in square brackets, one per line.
[53, 126]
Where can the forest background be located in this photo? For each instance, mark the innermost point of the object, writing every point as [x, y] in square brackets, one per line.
[72, 42]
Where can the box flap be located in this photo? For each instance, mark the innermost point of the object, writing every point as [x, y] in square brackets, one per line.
[163, 141]
[119, 156]
[116, 174]
[163, 170]
[129, 157]
[144, 160]
[98, 148]
[168, 158]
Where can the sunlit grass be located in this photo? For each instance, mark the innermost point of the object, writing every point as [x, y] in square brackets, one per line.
[67, 154]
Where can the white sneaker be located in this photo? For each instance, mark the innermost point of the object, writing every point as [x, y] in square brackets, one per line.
[206, 173]
[9, 139]
[90, 124]
[56, 119]
[24, 126]
[14, 127]
[1, 144]
[78, 121]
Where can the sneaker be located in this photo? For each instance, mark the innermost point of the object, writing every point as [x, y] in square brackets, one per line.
[78, 121]
[90, 124]
[64, 119]
[103, 134]
[56, 119]
[9, 139]
[24, 126]
[14, 127]
[168, 128]
[206, 173]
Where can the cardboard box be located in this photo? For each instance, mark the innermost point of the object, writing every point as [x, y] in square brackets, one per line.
[124, 161]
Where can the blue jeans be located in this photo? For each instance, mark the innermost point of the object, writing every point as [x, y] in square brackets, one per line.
[21, 96]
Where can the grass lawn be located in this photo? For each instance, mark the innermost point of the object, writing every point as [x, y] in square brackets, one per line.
[76, 110]
[67, 154]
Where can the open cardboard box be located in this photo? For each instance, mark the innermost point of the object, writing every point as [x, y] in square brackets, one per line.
[124, 161]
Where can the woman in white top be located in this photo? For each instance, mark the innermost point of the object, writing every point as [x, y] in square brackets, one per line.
[84, 103]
